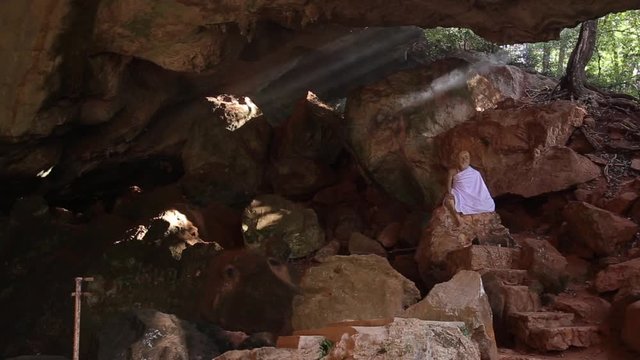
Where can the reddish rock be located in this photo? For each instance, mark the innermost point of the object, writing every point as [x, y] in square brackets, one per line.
[614, 276]
[443, 236]
[544, 263]
[600, 194]
[634, 211]
[498, 132]
[548, 331]
[578, 142]
[631, 327]
[600, 230]
[620, 203]
[390, 235]
[577, 268]
[362, 245]
[561, 338]
[507, 276]
[483, 257]
[589, 309]
[398, 144]
[629, 293]
[508, 294]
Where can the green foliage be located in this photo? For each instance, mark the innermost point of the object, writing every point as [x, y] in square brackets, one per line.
[465, 331]
[615, 65]
[443, 41]
[616, 61]
[325, 347]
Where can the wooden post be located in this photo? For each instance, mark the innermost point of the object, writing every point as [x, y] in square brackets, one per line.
[76, 325]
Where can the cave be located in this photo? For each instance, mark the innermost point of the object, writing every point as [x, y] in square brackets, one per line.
[265, 179]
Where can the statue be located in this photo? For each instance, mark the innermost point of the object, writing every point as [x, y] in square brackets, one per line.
[466, 191]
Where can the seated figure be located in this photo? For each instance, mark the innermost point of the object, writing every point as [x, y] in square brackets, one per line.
[466, 191]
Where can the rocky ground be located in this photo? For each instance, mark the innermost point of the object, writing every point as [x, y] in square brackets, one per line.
[323, 237]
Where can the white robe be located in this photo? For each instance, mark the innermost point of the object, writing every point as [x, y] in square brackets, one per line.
[470, 192]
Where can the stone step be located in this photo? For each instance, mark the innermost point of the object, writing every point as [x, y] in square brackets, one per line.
[515, 356]
[520, 299]
[507, 276]
[561, 338]
[483, 257]
[540, 319]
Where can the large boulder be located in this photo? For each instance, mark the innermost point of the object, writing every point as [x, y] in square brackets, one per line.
[628, 294]
[396, 338]
[544, 263]
[281, 228]
[226, 150]
[153, 335]
[588, 308]
[355, 287]
[631, 326]
[361, 245]
[613, 277]
[520, 148]
[305, 147]
[601, 231]
[156, 264]
[461, 299]
[393, 124]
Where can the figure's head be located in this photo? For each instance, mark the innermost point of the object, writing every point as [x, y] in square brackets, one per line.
[464, 159]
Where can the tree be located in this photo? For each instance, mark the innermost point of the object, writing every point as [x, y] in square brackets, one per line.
[546, 58]
[615, 64]
[575, 75]
[562, 53]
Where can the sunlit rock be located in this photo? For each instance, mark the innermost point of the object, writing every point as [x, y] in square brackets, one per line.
[220, 164]
[356, 287]
[281, 228]
[461, 299]
[153, 335]
[394, 123]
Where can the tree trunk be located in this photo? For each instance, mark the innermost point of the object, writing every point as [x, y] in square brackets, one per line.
[529, 61]
[562, 53]
[575, 76]
[546, 58]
